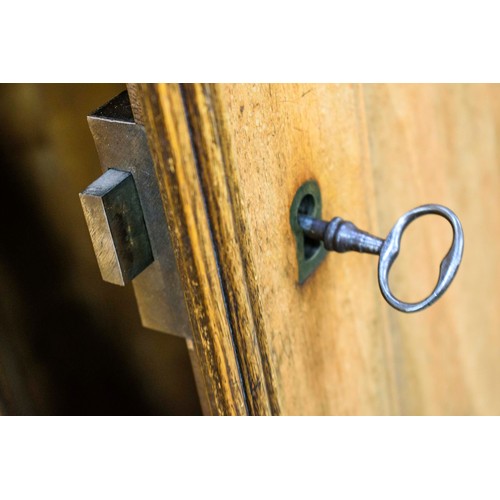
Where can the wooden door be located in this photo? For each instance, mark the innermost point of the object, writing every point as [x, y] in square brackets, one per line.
[230, 158]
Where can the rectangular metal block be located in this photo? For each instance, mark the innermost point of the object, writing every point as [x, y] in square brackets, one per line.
[114, 217]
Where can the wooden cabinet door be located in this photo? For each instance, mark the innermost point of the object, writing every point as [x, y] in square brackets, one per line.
[230, 158]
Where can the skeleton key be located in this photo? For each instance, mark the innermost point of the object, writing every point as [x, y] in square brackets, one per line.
[341, 236]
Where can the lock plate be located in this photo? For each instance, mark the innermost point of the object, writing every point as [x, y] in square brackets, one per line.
[122, 145]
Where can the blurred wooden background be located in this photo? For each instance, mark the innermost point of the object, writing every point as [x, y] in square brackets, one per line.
[69, 343]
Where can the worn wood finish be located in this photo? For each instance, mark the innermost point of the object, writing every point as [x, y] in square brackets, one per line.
[201, 386]
[376, 151]
[332, 345]
[205, 393]
[229, 237]
[190, 227]
[133, 90]
[327, 340]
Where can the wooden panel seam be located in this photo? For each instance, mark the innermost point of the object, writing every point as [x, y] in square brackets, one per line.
[216, 170]
[185, 209]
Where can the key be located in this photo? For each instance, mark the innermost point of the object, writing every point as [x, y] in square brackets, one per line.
[341, 236]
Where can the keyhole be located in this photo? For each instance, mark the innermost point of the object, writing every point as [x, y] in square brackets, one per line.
[310, 253]
[306, 207]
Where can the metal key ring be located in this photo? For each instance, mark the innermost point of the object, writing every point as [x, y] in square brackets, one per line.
[447, 270]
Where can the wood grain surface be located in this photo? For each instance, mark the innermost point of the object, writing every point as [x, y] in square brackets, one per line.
[170, 142]
[441, 143]
[134, 91]
[236, 155]
[328, 339]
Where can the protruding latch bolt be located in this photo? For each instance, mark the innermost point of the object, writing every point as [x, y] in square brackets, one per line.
[339, 235]
[116, 224]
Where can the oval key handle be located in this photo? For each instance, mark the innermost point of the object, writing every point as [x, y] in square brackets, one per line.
[447, 270]
[339, 235]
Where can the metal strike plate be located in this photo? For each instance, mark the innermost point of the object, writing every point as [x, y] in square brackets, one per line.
[122, 146]
[114, 217]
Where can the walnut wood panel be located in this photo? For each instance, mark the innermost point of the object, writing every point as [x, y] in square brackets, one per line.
[230, 159]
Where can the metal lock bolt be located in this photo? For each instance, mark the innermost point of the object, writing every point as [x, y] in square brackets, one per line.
[116, 224]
